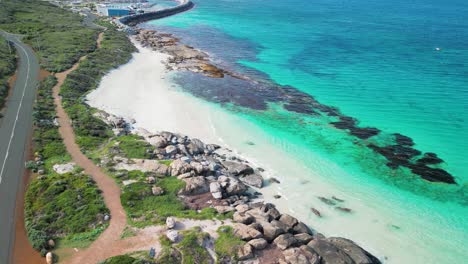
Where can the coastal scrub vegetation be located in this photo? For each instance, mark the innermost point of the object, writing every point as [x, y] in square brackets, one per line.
[145, 209]
[134, 147]
[91, 132]
[57, 35]
[124, 259]
[58, 206]
[227, 244]
[138, 257]
[7, 68]
[189, 250]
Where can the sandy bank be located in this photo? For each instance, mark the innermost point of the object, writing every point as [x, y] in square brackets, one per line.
[142, 91]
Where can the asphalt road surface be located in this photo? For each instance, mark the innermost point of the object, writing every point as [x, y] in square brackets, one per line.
[15, 130]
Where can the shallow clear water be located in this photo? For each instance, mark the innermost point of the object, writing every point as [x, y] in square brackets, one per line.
[397, 66]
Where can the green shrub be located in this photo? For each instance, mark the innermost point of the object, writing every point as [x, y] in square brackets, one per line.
[7, 68]
[123, 259]
[189, 250]
[116, 49]
[227, 245]
[58, 206]
[57, 35]
[140, 204]
[81, 240]
[135, 147]
[192, 249]
[166, 162]
[38, 239]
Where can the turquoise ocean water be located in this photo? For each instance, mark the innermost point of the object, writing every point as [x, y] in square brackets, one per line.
[399, 66]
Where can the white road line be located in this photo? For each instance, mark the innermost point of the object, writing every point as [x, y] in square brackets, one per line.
[17, 114]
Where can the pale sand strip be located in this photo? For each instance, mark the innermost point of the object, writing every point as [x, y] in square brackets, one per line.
[142, 91]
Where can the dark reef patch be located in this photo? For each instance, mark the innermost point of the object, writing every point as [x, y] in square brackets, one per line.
[403, 140]
[349, 123]
[399, 155]
[430, 158]
[257, 95]
[432, 174]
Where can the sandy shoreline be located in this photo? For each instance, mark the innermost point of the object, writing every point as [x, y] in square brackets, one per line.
[153, 101]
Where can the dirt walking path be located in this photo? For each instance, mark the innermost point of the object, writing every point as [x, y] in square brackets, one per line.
[110, 190]
[109, 243]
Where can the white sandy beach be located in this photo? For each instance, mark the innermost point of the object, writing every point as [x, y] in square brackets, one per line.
[141, 90]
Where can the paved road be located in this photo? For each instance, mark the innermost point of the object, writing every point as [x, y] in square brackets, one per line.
[15, 129]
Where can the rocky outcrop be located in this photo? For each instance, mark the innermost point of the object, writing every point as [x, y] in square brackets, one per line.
[255, 180]
[285, 241]
[355, 252]
[245, 252]
[302, 255]
[236, 168]
[246, 232]
[258, 243]
[329, 252]
[220, 181]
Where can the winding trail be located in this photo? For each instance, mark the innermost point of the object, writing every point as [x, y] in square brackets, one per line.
[109, 243]
[110, 190]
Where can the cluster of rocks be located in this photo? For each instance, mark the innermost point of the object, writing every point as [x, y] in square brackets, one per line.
[230, 185]
[183, 57]
[119, 125]
[228, 180]
[203, 167]
[263, 226]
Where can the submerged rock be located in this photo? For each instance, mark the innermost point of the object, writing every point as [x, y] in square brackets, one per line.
[326, 200]
[343, 209]
[316, 212]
